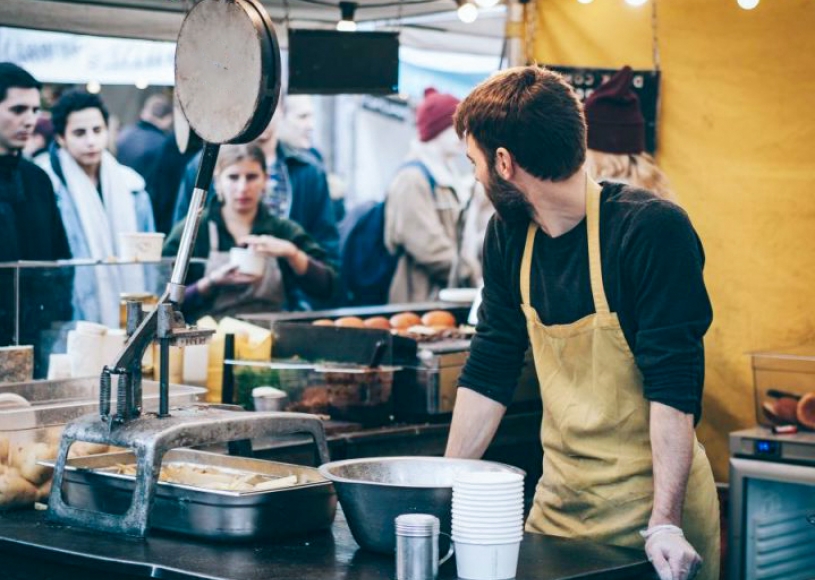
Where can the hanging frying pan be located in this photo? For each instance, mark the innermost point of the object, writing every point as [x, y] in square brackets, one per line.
[185, 138]
[227, 82]
[227, 70]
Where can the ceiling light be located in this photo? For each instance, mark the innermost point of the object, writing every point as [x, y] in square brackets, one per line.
[748, 4]
[93, 87]
[467, 12]
[636, 2]
[486, 3]
[346, 23]
[585, 1]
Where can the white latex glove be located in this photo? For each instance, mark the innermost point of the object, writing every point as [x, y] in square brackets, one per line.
[670, 553]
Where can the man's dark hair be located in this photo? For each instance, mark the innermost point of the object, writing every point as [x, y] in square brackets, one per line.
[15, 77]
[158, 106]
[534, 114]
[71, 102]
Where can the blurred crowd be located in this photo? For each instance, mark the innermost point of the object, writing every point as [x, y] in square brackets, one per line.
[68, 189]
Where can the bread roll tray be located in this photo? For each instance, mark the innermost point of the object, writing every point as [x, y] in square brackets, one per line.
[94, 483]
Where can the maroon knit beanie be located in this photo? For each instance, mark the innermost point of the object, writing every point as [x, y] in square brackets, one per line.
[435, 113]
[613, 115]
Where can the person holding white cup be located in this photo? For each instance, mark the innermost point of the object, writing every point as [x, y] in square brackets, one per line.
[254, 259]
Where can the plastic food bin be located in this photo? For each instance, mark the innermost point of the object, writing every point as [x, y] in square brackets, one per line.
[32, 416]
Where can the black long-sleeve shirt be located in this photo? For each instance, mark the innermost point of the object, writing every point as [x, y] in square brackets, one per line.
[652, 264]
[31, 229]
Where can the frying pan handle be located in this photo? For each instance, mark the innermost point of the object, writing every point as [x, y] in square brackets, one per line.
[777, 394]
[206, 167]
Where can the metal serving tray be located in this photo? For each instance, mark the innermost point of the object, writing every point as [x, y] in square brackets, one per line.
[57, 402]
[216, 515]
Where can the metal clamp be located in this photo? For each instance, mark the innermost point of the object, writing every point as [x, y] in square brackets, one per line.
[150, 437]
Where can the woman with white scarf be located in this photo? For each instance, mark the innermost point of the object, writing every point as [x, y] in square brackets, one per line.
[98, 198]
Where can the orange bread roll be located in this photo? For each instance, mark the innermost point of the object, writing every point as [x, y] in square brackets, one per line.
[379, 322]
[349, 322]
[439, 318]
[405, 320]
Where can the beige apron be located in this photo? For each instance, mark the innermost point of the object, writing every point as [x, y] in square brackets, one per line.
[597, 478]
[266, 295]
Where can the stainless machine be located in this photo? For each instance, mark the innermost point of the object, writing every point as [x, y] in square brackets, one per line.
[772, 505]
[222, 45]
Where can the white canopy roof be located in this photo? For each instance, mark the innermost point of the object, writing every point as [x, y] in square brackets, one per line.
[428, 24]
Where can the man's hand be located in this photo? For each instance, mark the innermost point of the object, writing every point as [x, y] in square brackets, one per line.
[672, 556]
[672, 441]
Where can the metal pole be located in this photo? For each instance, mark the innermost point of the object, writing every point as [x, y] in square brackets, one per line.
[206, 167]
[164, 378]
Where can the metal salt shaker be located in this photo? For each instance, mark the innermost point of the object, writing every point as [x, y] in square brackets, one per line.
[417, 547]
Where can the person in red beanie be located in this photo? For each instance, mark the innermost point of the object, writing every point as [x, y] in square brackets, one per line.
[616, 137]
[424, 204]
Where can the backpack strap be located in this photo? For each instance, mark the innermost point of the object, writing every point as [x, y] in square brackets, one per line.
[425, 171]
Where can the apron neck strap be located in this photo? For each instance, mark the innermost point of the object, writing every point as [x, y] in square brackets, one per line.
[593, 191]
[526, 263]
[598, 292]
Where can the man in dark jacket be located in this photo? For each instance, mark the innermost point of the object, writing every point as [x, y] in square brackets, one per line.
[30, 225]
[165, 177]
[139, 145]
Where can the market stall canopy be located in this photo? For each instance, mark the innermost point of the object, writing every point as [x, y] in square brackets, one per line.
[426, 23]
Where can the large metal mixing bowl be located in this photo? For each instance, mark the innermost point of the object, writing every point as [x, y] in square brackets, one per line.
[373, 491]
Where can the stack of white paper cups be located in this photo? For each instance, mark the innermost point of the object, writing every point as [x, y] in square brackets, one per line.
[487, 524]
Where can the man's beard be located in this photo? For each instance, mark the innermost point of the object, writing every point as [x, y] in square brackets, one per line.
[510, 203]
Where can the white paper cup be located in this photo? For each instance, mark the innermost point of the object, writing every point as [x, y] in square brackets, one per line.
[59, 367]
[247, 261]
[140, 246]
[487, 478]
[491, 541]
[510, 524]
[92, 328]
[488, 506]
[500, 521]
[487, 537]
[487, 502]
[499, 526]
[467, 488]
[487, 562]
[269, 399]
[497, 496]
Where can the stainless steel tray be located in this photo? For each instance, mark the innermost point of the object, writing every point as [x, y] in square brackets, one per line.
[217, 515]
[57, 402]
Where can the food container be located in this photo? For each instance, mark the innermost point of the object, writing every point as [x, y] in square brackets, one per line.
[146, 299]
[247, 261]
[780, 378]
[355, 393]
[268, 398]
[16, 363]
[31, 433]
[140, 246]
[345, 392]
[310, 504]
